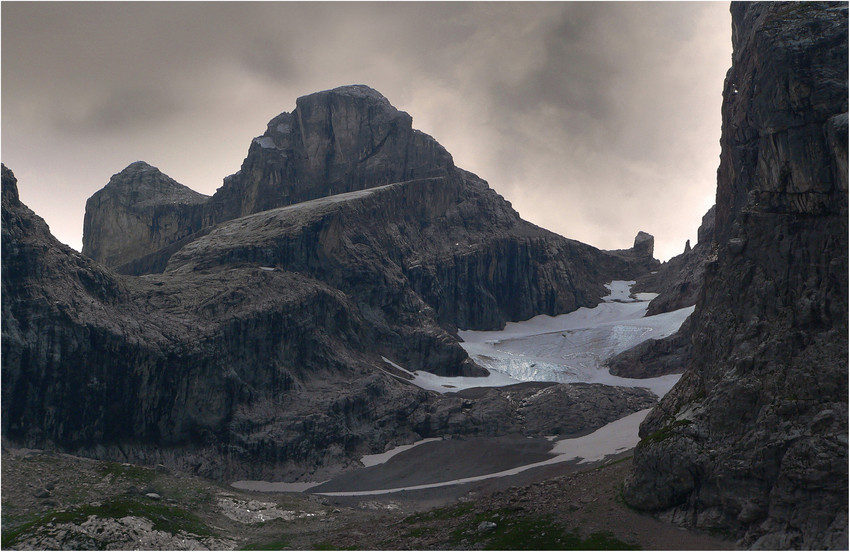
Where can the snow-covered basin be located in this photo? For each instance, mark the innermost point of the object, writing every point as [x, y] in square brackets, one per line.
[569, 348]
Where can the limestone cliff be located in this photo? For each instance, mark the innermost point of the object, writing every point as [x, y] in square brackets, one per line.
[139, 211]
[341, 140]
[753, 439]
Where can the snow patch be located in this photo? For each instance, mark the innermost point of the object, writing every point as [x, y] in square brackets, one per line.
[376, 459]
[446, 384]
[610, 439]
[573, 347]
[265, 142]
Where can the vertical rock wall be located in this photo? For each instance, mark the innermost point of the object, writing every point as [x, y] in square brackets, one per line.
[753, 439]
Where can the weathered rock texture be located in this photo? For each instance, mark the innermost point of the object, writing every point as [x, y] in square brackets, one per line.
[753, 439]
[139, 211]
[254, 350]
[341, 140]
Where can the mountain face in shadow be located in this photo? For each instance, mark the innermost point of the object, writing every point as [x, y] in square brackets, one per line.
[753, 439]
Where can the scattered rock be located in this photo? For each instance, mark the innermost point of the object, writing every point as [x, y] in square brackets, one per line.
[486, 527]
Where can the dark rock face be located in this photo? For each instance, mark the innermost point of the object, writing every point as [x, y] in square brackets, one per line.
[753, 439]
[460, 246]
[139, 211]
[341, 140]
[641, 253]
[655, 357]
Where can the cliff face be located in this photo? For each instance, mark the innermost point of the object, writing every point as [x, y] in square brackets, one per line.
[139, 211]
[341, 140]
[753, 439]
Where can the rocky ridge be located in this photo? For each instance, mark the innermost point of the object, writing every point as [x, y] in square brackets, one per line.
[753, 439]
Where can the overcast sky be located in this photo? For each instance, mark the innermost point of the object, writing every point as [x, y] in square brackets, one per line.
[595, 119]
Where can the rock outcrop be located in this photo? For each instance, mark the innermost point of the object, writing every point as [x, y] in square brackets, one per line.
[753, 439]
[678, 281]
[337, 141]
[139, 211]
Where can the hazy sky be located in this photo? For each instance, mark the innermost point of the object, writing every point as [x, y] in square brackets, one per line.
[595, 119]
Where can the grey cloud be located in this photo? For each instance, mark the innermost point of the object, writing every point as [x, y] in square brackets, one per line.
[120, 109]
[563, 102]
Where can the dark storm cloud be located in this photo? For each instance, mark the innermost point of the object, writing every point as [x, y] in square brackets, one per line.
[557, 105]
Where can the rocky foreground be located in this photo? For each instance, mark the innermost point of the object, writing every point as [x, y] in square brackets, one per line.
[57, 501]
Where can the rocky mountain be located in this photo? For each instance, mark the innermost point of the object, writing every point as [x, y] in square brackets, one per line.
[262, 346]
[139, 211]
[341, 140]
[231, 369]
[458, 244]
[753, 439]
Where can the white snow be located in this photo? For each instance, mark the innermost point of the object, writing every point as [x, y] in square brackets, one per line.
[276, 486]
[266, 142]
[610, 439]
[573, 347]
[446, 384]
[375, 459]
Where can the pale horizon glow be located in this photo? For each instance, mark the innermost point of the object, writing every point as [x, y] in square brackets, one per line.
[595, 120]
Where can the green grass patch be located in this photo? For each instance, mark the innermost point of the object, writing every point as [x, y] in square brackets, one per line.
[278, 543]
[417, 532]
[664, 433]
[525, 532]
[137, 474]
[164, 518]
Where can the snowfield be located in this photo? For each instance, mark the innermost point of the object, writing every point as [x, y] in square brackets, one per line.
[573, 348]
[570, 348]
